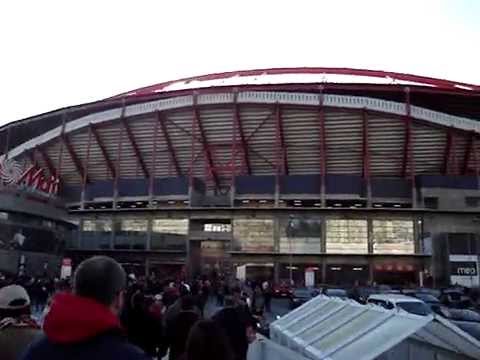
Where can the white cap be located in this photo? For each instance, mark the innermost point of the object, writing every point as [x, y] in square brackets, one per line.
[13, 297]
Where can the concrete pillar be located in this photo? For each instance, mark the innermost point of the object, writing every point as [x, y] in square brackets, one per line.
[276, 272]
[370, 235]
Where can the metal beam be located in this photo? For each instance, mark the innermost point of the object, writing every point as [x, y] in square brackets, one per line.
[76, 160]
[168, 141]
[238, 129]
[135, 147]
[469, 150]
[407, 148]
[282, 161]
[206, 148]
[103, 150]
[46, 159]
[365, 147]
[448, 153]
[323, 142]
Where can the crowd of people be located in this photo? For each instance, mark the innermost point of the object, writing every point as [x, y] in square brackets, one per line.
[105, 313]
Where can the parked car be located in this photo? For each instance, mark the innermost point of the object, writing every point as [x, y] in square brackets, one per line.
[455, 298]
[360, 294]
[335, 292]
[282, 291]
[426, 298]
[300, 296]
[395, 301]
[467, 320]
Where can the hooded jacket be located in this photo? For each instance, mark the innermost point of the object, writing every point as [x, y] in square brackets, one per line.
[78, 328]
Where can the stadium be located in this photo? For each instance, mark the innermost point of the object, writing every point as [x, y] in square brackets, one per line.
[346, 175]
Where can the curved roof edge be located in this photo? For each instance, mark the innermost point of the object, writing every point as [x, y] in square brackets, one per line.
[300, 75]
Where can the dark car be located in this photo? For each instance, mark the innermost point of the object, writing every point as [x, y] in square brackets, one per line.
[454, 298]
[300, 296]
[282, 291]
[361, 294]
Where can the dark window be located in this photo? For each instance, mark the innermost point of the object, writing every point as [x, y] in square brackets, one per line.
[431, 202]
[472, 201]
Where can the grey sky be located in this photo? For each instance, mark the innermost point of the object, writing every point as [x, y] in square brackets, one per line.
[59, 53]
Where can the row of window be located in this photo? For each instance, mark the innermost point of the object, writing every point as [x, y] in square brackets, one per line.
[342, 236]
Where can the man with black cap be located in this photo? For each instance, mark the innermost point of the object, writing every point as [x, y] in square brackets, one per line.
[85, 324]
[17, 329]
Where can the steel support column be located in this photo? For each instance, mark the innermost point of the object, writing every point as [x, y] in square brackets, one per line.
[323, 151]
[154, 159]
[469, 150]
[366, 158]
[86, 164]
[117, 165]
[168, 141]
[447, 167]
[206, 149]
[103, 150]
[135, 147]
[281, 159]
[408, 166]
[75, 158]
[48, 162]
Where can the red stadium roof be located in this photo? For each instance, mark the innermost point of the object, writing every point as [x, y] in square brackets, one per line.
[300, 75]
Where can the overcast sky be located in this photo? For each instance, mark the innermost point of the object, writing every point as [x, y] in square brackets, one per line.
[59, 53]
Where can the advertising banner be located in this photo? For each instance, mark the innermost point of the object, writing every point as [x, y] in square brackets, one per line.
[464, 270]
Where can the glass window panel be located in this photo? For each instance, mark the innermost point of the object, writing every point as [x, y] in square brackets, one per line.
[96, 234]
[393, 237]
[345, 236]
[132, 233]
[301, 236]
[169, 234]
[253, 235]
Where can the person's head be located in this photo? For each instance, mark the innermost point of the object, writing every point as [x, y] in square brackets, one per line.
[208, 341]
[14, 301]
[102, 279]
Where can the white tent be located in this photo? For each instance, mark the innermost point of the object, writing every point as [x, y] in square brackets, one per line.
[329, 328]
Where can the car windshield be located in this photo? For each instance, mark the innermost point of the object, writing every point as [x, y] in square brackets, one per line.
[464, 315]
[336, 292]
[416, 308]
[427, 298]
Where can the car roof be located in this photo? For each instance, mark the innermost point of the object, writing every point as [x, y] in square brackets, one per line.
[394, 298]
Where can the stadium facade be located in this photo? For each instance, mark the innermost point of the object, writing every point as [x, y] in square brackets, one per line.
[345, 174]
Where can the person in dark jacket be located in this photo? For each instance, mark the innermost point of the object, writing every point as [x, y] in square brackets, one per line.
[178, 328]
[239, 327]
[144, 329]
[85, 324]
[208, 341]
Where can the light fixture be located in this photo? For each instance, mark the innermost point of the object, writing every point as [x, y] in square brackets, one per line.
[337, 204]
[357, 269]
[245, 201]
[263, 201]
[139, 202]
[397, 205]
[335, 268]
[317, 204]
[133, 206]
[171, 202]
[377, 205]
[103, 207]
[358, 205]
